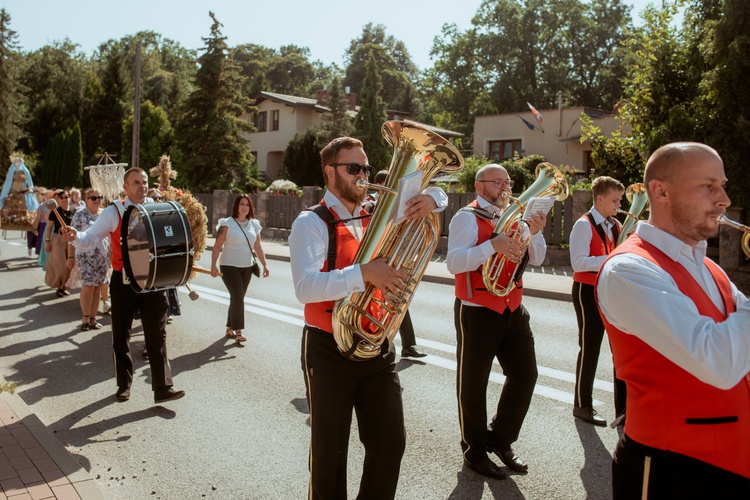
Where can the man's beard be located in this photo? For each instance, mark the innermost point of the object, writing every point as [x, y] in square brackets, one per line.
[349, 192]
[685, 221]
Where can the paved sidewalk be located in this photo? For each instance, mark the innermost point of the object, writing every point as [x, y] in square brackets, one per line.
[33, 463]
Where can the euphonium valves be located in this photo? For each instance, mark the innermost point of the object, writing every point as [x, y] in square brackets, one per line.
[500, 273]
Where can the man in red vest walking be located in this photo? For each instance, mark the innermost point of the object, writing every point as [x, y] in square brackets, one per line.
[489, 327]
[679, 334]
[593, 238]
[125, 300]
[337, 385]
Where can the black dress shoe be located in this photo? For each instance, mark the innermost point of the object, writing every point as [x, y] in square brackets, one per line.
[511, 460]
[487, 468]
[167, 394]
[123, 394]
[411, 352]
[588, 414]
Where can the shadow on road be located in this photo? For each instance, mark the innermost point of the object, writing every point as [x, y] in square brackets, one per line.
[597, 465]
[470, 485]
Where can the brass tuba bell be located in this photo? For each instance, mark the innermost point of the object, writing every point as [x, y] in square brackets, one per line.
[364, 321]
[638, 199]
[499, 273]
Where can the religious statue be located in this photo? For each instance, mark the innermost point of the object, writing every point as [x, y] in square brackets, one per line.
[18, 203]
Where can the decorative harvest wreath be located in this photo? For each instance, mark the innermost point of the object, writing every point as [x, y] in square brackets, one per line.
[194, 209]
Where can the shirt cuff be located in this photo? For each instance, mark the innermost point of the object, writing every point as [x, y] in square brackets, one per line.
[353, 278]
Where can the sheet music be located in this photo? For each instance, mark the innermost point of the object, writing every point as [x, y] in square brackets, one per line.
[535, 205]
[409, 186]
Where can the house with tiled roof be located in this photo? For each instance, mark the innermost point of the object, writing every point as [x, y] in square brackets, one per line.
[280, 117]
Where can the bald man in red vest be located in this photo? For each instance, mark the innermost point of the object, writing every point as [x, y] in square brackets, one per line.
[680, 339]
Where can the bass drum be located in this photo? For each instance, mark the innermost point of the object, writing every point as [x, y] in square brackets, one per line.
[157, 246]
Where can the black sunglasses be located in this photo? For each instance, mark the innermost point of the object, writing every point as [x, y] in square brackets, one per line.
[63, 197]
[354, 168]
[96, 198]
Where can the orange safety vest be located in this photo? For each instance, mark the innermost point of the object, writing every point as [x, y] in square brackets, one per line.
[670, 409]
[470, 286]
[319, 314]
[596, 248]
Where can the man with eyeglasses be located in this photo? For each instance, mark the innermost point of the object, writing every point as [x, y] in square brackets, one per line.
[488, 326]
[336, 385]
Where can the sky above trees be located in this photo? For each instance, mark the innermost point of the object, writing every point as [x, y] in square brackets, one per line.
[327, 28]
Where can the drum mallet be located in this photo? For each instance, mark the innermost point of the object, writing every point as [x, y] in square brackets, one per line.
[52, 205]
[193, 294]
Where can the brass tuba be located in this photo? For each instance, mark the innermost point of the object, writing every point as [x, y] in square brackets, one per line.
[638, 199]
[498, 275]
[363, 321]
[723, 219]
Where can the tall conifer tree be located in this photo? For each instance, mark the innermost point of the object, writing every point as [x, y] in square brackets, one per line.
[371, 117]
[11, 97]
[216, 155]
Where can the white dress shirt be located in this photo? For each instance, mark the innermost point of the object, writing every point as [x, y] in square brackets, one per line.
[236, 251]
[308, 250]
[464, 255]
[580, 242]
[641, 299]
[106, 223]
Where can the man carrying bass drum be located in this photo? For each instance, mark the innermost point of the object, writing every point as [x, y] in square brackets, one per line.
[125, 300]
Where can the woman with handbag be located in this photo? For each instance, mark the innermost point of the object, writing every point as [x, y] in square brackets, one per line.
[238, 243]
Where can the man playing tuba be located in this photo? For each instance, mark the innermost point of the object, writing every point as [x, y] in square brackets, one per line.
[337, 385]
[489, 326]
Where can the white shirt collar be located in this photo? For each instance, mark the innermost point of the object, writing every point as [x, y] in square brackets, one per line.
[486, 205]
[671, 246]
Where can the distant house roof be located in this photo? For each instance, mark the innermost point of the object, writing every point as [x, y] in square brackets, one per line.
[308, 103]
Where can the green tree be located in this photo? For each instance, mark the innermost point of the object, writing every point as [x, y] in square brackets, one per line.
[113, 104]
[284, 71]
[337, 122]
[397, 70]
[216, 155]
[370, 119]
[63, 159]
[11, 96]
[156, 136]
[55, 77]
[302, 157]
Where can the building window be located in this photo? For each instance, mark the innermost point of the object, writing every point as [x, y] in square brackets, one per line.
[503, 150]
[275, 119]
[260, 120]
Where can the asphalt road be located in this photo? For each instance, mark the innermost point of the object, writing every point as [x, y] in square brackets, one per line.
[242, 432]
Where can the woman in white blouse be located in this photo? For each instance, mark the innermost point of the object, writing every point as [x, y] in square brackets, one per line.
[237, 236]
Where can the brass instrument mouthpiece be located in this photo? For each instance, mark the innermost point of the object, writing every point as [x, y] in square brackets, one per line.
[363, 184]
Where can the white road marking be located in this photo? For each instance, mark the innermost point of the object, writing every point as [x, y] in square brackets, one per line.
[281, 313]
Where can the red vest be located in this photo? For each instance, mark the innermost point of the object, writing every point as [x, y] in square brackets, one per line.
[670, 409]
[319, 314]
[596, 248]
[114, 238]
[470, 286]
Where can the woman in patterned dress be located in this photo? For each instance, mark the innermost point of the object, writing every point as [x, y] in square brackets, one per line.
[92, 264]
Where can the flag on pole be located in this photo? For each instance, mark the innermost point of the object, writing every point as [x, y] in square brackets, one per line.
[527, 123]
[536, 113]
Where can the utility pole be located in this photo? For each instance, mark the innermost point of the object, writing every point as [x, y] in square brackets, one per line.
[137, 107]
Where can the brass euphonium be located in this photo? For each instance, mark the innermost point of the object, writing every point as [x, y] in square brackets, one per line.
[638, 199]
[723, 219]
[363, 321]
[499, 279]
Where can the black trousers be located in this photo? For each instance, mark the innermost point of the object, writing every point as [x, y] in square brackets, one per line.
[667, 475]
[153, 307]
[406, 330]
[483, 335]
[335, 387]
[236, 279]
[590, 336]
